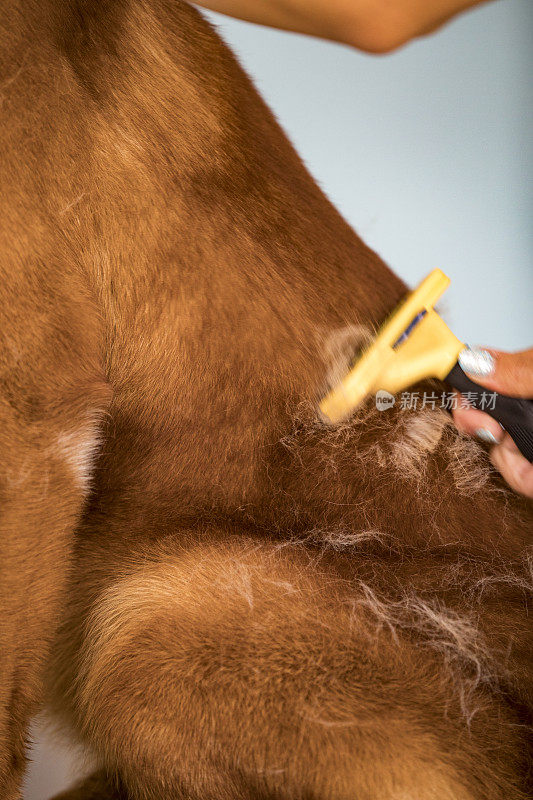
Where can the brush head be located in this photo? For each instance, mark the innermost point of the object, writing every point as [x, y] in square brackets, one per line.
[413, 344]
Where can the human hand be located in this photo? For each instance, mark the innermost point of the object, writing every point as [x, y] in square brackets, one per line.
[506, 373]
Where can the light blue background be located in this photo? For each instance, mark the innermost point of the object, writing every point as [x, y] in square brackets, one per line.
[428, 153]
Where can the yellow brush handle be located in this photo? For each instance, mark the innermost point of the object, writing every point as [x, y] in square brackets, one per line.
[430, 351]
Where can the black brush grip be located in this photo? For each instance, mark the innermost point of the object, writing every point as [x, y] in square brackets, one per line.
[514, 413]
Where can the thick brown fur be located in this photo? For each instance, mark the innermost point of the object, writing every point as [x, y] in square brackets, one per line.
[246, 604]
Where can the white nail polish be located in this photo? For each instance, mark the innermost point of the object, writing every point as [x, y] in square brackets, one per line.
[486, 436]
[476, 361]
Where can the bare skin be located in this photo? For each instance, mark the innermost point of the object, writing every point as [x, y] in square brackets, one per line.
[375, 26]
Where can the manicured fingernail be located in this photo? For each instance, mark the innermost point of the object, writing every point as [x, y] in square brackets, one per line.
[476, 361]
[486, 436]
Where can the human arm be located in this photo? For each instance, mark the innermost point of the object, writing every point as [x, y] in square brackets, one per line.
[376, 26]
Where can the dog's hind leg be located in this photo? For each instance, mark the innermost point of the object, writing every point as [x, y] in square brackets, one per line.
[52, 396]
[221, 668]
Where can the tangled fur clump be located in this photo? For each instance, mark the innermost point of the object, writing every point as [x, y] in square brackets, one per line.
[402, 441]
[341, 348]
[455, 637]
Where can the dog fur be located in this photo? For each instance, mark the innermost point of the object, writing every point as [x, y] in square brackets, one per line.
[221, 597]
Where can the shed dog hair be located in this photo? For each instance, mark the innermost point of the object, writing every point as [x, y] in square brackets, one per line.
[218, 595]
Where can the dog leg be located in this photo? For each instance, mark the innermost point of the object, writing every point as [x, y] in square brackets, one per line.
[51, 401]
[239, 670]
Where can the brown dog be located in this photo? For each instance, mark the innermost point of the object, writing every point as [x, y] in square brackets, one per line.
[251, 605]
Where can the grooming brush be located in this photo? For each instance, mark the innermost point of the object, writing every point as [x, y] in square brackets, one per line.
[415, 344]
